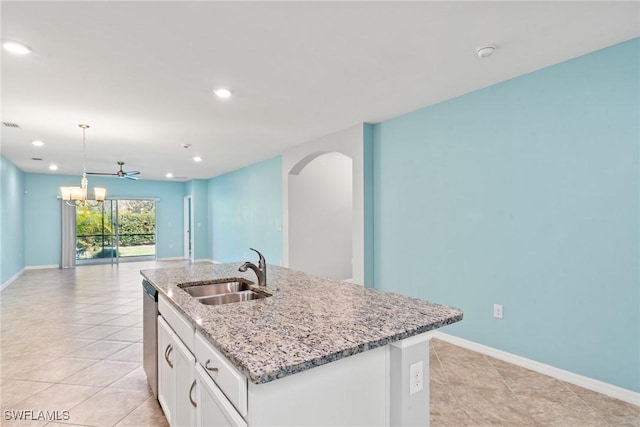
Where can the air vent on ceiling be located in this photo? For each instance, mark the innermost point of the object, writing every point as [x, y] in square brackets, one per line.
[39, 159]
[11, 125]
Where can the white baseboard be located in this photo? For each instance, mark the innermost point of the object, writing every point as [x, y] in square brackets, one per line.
[560, 374]
[11, 279]
[185, 259]
[216, 262]
[203, 260]
[41, 267]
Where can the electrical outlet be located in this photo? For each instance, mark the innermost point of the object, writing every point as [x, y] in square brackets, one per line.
[415, 377]
[497, 311]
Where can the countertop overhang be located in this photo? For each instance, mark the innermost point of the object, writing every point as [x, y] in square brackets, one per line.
[308, 321]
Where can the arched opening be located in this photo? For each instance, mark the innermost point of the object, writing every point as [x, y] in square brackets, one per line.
[321, 215]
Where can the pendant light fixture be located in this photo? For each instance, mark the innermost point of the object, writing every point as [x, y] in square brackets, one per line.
[77, 196]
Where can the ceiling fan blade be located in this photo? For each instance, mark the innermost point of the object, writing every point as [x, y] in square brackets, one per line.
[120, 174]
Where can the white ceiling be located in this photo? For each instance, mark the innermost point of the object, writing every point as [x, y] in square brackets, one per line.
[141, 74]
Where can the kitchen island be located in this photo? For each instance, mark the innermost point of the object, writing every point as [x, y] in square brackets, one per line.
[316, 351]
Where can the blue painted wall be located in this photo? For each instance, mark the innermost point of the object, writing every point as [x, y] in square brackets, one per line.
[524, 194]
[198, 189]
[42, 213]
[246, 211]
[11, 220]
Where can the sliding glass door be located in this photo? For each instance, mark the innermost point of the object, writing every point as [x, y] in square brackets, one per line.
[136, 230]
[95, 239]
[116, 230]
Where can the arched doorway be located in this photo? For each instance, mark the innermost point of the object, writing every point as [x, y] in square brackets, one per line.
[321, 215]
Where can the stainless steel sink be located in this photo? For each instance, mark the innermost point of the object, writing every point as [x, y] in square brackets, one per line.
[231, 297]
[222, 291]
[207, 289]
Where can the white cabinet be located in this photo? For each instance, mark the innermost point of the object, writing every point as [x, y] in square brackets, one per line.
[185, 382]
[166, 388]
[176, 378]
[213, 407]
[226, 377]
[186, 391]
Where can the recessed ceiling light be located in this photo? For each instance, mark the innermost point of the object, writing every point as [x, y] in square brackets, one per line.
[197, 159]
[169, 175]
[16, 47]
[53, 167]
[222, 92]
[485, 51]
[37, 143]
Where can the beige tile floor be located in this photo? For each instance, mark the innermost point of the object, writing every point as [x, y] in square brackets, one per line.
[71, 341]
[471, 389]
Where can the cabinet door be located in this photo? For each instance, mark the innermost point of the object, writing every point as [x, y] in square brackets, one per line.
[214, 409]
[166, 357]
[184, 364]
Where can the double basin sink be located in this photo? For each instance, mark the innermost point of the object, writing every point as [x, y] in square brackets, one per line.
[222, 291]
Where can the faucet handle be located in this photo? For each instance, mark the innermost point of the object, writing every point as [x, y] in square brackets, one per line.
[261, 260]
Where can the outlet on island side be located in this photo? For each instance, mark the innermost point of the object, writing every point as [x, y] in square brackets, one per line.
[497, 311]
[415, 377]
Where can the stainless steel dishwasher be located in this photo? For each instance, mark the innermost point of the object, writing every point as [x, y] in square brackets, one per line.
[150, 334]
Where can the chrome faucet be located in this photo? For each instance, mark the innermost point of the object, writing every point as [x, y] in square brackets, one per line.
[260, 269]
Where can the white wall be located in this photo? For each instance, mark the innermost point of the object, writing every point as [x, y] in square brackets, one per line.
[350, 143]
[321, 217]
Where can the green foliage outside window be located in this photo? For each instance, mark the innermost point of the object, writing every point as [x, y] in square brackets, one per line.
[96, 232]
[137, 228]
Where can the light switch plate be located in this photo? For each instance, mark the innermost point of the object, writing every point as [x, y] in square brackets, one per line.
[497, 311]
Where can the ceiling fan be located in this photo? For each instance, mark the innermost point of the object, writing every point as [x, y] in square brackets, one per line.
[120, 174]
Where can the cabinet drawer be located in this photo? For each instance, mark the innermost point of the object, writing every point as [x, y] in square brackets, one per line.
[215, 409]
[178, 323]
[232, 383]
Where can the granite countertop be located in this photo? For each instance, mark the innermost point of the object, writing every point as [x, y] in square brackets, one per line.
[308, 321]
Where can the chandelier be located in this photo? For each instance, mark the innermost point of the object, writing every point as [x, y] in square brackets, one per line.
[77, 196]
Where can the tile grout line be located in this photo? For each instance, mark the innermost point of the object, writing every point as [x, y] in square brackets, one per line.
[512, 392]
[587, 404]
[451, 388]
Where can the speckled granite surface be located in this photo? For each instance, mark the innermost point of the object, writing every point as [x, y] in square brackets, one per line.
[307, 322]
